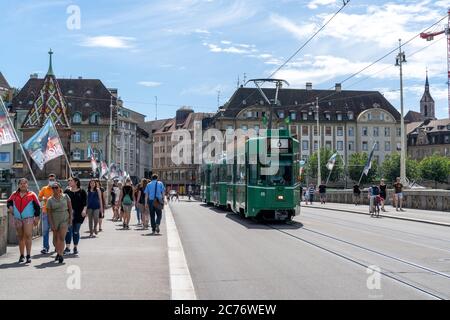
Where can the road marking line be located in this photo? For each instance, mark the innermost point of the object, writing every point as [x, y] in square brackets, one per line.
[181, 285]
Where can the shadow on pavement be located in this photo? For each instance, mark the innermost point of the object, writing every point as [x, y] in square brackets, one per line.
[50, 264]
[13, 265]
[261, 225]
[152, 235]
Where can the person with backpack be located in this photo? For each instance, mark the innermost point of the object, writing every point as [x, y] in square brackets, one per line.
[140, 202]
[154, 201]
[94, 207]
[374, 194]
[127, 203]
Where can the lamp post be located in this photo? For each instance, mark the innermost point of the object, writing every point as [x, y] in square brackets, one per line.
[319, 173]
[400, 59]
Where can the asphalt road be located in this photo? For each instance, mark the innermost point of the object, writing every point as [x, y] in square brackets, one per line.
[323, 255]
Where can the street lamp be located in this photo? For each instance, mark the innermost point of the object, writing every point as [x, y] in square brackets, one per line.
[319, 174]
[400, 59]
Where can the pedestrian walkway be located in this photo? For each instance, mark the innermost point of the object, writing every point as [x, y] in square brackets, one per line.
[424, 216]
[118, 264]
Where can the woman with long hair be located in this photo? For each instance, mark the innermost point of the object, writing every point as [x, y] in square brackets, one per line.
[94, 207]
[59, 210]
[140, 202]
[102, 212]
[126, 200]
[78, 197]
[25, 207]
[383, 194]
[114, 201]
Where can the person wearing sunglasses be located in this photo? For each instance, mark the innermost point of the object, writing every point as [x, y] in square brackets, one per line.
[59, 210]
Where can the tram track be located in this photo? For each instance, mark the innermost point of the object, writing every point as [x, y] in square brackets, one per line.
[367, 266]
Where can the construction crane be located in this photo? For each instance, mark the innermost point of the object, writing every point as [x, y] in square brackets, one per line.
[430, 37]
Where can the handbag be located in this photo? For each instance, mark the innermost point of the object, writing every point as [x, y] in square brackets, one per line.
[156, 204]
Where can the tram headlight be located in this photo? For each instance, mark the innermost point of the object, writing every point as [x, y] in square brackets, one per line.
[281, 198]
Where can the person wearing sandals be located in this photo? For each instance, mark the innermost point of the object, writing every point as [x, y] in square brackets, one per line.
[94, 206]
[25, 207]
[78, 198]
[59, 210]
[140, 202]
[126, 200]
[102, 212]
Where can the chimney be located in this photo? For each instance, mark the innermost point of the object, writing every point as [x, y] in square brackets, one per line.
[338, 87]
[309, 86]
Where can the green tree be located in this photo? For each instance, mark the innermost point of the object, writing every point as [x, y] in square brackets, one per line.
[356, 165]
[390, 169]
[325, 155]
[435, 168]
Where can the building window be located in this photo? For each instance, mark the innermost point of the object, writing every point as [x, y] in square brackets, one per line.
[95, 136]
[305, 116]
[350, 116]
[351, 132]
[76, 118]
[315, 131]
[351, 146]
[365, 146]
[399, 132]
[293, 116]
[316, 145]
[257, 128]
[87, 104]
[365, 132]
[340, 146]
[281, 115]
[328, 116]
[369, 116]
[77, 156]
[387, 146]
[305, 145]
[77, 137]
[387, 132]
[376, 131]
[5, 157]
[340, 131]
[328, 145]
[339, 116]
[446, 139]
[95, 118]
[305, 131]
[328, 131]
[244, 127]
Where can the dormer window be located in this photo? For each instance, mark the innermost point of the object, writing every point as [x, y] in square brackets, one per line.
[88, 92]
[87, 104]
[339, 116]
[327, 116]
[70, 92]
[76, 118]
[281, 115]
[94, 118]
[350, 115]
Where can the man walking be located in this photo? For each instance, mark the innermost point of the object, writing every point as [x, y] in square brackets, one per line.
[398, 196]
[45, 194]
[154, 200]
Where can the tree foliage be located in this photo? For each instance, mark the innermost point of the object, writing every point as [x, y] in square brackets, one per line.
[435, 168]
[390, 168]
[356, 165]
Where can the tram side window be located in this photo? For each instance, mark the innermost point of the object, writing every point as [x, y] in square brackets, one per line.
[229, 173]
[223, 173]
[253, 178]
[241, 178]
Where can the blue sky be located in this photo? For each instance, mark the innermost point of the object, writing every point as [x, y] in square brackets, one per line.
[185, 51]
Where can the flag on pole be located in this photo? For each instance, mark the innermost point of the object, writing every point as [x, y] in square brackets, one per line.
[45, 145]
[369, 161]
[93, 160]
[6, 132]
[104, 170]
[331, 163]
[113, 171]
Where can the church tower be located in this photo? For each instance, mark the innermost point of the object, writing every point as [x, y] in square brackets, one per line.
[49, 103]
[427, 103]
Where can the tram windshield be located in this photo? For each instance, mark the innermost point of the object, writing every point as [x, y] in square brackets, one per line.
[282, 178]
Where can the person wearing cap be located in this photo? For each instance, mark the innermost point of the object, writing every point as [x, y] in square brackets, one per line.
[59, 210]
[44, 194]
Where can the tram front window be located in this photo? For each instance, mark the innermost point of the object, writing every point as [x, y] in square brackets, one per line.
[282, 178]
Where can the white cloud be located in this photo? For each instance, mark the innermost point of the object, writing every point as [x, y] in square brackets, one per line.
[316, 3]
[205, 90]
[149, 84]
[300, 32]
[108, 42]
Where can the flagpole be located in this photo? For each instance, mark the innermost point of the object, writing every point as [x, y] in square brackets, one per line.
[20, 144]
[65, 153]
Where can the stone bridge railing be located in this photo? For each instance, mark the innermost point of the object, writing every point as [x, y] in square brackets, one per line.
[437, 200]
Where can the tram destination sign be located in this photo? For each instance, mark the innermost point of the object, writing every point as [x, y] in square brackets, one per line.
[280, 144]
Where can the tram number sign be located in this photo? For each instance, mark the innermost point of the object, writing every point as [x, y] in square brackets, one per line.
[281, 144]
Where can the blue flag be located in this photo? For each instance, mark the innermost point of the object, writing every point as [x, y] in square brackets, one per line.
[45, 145]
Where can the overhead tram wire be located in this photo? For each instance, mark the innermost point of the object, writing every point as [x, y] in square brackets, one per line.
[380, 59]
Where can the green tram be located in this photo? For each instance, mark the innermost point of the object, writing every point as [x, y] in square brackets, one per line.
[242, 188]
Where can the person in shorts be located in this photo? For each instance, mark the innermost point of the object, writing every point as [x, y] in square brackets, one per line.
[25, 207]
[60, 215]
[323, 193]
[398, 195]
[356, 194]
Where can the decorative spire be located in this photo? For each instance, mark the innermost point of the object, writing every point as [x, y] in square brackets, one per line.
[50, 67]
[427, 83]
